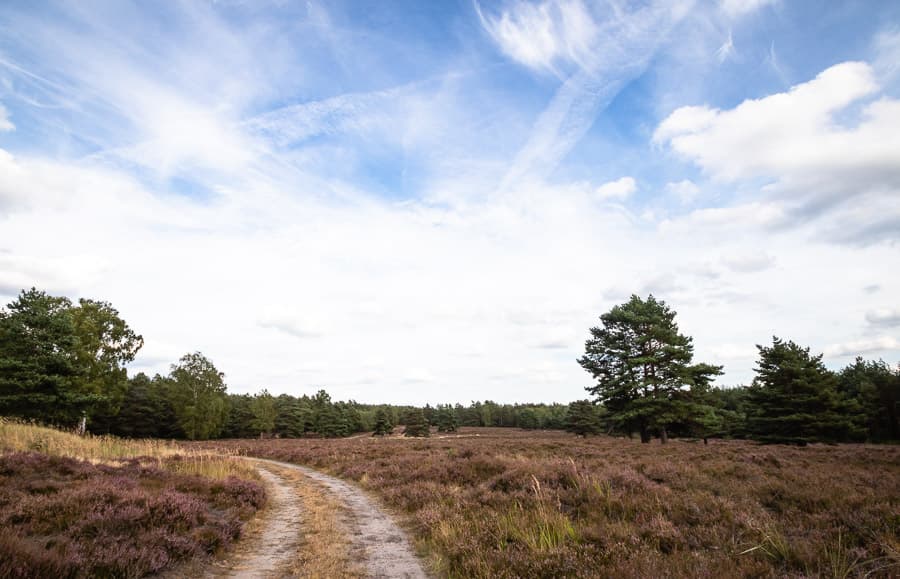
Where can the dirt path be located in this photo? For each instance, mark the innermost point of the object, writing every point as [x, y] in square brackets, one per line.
[382, 545]
[270, 550]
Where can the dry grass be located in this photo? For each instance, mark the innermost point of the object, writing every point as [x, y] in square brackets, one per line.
[325, 549]
[106, 507]
[23, 437]
[505, 503]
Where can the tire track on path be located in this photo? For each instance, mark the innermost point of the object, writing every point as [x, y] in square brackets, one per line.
[384, 547]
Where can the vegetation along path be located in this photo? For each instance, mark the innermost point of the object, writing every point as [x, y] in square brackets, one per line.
[381, 544]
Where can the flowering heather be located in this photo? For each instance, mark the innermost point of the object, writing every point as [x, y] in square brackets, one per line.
[62, 517]
[504, 503]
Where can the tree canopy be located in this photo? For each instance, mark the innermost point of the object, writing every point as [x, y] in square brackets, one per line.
[794, 398]
[643, 367]
[59, 361]
[199, 395]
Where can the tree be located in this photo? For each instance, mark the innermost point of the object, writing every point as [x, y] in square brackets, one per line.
[794, 399]
[291, 416]
[582, 418]
[37, 359]
[145, 412]
[642, 365]
[445, 418]
[383, 424]
[416, 425]
[59, 363]
[263, 410]
[876, 386]
[105, 343]
[198, 394]
[528, 419]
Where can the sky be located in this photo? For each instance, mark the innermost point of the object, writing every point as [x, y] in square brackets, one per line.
[429, 202]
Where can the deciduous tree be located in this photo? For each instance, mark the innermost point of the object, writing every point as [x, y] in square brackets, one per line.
[199, 397]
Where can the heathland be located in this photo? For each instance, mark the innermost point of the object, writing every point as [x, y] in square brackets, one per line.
[74, 506]
[510, 503]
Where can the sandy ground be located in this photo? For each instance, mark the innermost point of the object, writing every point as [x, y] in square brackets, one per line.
[272, 544]
[383, 547]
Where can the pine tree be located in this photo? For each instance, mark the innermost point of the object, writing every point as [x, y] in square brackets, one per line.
[582, 418]
[416, 425]
[876, 386]
[383, 424]
[794, 399]
[642, 365]
[445, 418]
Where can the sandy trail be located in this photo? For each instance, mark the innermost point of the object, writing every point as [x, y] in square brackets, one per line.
[383, 546]
[277, 543]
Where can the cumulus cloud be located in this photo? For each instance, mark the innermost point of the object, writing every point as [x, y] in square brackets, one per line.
[621, 188]
[814, 160]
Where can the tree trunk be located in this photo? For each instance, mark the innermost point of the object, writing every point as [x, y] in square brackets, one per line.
[663, 435]
[645, 434]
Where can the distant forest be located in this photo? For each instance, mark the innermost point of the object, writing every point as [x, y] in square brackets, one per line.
[63, 363]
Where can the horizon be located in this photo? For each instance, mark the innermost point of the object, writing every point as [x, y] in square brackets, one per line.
[396, 202]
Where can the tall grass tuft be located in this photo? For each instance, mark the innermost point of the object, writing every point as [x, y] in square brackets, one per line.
[25, 437]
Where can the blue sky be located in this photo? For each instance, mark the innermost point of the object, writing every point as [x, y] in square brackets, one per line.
[433, 201]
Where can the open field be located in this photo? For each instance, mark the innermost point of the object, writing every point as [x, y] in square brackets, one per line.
[103, 507]
[502, 502]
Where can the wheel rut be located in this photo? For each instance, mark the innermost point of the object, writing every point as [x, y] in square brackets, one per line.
[383, 547]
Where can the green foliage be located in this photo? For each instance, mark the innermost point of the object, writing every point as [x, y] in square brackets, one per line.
[197, 392]
[146, 411]
[642, 365]
[263, 410]
[445, 418]
[59, 361]
[876, 386]
[794, 399]
[240, 417]
[583, 418]
[383, 423]
[105, 344]
[416, 425]
[292, 416]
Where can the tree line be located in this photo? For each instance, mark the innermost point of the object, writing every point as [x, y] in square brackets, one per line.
[64, 363]
[647, 383]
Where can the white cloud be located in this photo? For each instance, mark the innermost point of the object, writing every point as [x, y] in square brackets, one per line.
[813, 159]
[884, 317]
[5, 123]
[726, 51]
[629, 39]
[685, 190]
[738, 8]
[544, 34]
[749, 262]
[293, 274]
[862, 347]
[621, 188]
[745, 216]
[792, 131]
